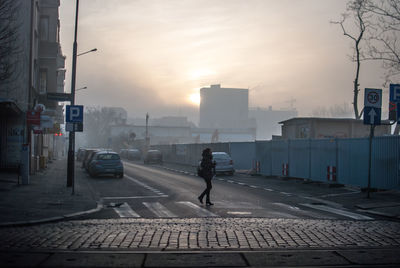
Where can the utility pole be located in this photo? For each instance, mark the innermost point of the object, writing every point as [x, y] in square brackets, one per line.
[147, 132]
[71, 147]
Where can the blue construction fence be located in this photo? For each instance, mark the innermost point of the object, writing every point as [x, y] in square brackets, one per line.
[343, 161]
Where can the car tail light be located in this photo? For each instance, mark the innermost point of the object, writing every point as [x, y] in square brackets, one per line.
[231, 162]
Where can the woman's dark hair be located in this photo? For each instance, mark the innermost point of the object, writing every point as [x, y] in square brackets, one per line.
[206, 152]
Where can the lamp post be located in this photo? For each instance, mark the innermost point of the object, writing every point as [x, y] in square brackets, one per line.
[80, 89]
[71, 144]
[92, 50]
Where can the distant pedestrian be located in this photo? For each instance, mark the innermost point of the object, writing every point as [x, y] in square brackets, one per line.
[207, 167]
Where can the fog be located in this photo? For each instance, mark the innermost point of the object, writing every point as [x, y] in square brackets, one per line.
[154, 56]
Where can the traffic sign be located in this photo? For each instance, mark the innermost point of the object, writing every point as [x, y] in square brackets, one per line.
[74, 127]
[394, 94]
[59, 96]
[398, 113]
[372, 115]
[372, 106]
[373, 97]
[74, 114]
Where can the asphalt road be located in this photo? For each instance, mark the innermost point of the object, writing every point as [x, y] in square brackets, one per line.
[151, 191]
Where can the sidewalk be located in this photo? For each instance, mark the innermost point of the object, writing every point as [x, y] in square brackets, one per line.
[46, 198]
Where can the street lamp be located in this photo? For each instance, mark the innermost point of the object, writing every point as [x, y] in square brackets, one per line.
[92, 50]
[71, 141]
[80, 88]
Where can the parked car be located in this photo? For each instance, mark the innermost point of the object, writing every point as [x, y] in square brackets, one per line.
[153, 156]
[89, 159]
[80, 154]
[106, 162]
[123, 153]
[224, 163]
[133, 154]
[86, 156]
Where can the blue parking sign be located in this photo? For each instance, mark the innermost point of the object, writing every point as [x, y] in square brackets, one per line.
[398, 113]
[394, 93]
[74, 114]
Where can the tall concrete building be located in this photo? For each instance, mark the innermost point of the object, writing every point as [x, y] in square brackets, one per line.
[267, 120]
[224, 107]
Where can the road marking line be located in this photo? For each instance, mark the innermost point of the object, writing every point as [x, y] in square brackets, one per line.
[286, 206]
[338, 211]
[144, 185]
[236, 205]
[331, 195]
[198, 210]
[159, 210]
[239, 212]
[125, 211]
[267, 189]
[133, 197]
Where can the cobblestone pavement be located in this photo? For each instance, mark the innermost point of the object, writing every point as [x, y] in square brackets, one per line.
[202, 234]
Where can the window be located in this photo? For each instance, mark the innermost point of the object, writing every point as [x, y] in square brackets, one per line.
[43, 81]
[108, 157]
[44, 28]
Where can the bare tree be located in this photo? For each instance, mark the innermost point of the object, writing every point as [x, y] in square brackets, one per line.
[8, 39]
[360, 15]
[338, 110]
[97, 126]
[384, 36]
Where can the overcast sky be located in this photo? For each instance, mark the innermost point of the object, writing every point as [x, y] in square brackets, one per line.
[154, 56]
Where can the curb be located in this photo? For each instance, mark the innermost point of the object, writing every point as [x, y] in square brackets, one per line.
[52, 219]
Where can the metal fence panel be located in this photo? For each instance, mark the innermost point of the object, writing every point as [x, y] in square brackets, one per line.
[299, 158]
[243, 154]
[279, 157]
[323, 155]
[353, 162]
[263, 156]
[385, 163]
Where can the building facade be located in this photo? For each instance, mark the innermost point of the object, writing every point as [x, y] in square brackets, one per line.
[38, 68]
[267, 121]
[224, 107]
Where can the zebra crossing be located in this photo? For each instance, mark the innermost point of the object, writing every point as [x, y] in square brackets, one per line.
[240, 209]
[160, 211]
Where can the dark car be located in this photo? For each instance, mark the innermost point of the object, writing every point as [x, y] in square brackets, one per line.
[105, 163]
[80, 154]
[153, 156]
[133, 154]
[87, 155]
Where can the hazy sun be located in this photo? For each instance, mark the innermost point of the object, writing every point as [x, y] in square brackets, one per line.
[195, 98]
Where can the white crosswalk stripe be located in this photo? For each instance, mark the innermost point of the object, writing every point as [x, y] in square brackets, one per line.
[337, 211]
[159, 210]
[201, 212]
[125, 211]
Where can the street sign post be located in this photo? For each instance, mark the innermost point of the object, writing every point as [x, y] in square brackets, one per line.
[372, 106]
[74, 118]
[74, 114]
[372, 116]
